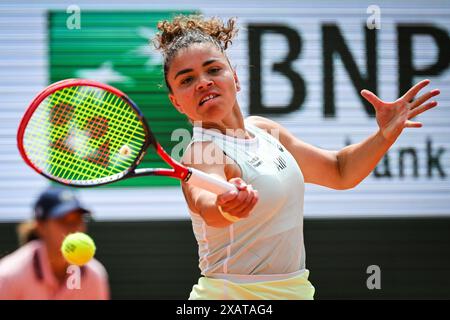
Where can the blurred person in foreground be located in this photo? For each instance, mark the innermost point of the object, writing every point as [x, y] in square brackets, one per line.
[38, 270]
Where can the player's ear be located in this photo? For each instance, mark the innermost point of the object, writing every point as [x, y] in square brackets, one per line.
[236, 81]
[175, 103]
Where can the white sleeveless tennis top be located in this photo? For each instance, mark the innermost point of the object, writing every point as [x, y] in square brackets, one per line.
[270, 240]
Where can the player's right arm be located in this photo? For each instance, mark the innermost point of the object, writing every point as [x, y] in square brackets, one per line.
[207, 157]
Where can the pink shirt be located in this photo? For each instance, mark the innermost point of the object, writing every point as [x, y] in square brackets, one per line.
[26, 275]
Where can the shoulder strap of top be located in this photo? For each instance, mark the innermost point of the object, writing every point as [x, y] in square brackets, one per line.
[262, 133]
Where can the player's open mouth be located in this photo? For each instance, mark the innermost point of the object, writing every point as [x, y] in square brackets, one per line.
[208, 97]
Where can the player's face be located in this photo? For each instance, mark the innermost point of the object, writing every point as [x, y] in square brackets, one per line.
[53, 231]
[203, 84]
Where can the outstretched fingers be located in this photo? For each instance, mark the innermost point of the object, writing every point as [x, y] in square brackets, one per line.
[423, 98]
[408, 96]
[413, 124]
[418, 110]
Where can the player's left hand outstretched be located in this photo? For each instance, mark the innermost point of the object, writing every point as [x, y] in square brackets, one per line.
[392, 117]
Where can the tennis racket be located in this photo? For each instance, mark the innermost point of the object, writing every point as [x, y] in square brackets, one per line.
[84, 133]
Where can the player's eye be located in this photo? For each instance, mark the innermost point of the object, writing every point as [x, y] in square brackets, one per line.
[214, 70]
[186, 80]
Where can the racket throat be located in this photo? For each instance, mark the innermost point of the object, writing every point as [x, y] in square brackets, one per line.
[188, 175]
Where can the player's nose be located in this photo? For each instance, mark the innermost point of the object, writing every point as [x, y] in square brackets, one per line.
[204, 83]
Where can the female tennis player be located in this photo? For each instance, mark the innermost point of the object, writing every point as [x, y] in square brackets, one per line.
[251, 240]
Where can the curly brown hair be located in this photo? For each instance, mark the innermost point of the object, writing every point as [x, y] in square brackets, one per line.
[185, 30]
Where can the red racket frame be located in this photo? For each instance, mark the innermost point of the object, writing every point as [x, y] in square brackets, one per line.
[178, 170]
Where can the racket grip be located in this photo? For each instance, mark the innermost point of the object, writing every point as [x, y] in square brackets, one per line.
[208, 182]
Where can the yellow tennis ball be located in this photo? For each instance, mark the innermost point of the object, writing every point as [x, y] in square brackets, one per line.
[78, 248]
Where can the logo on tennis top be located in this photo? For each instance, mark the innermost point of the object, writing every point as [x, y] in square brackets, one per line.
[255, 161]
[280, 163]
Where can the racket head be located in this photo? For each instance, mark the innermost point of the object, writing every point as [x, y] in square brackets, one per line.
[83, 133]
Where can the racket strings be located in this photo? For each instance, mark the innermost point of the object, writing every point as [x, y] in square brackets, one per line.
[60, 161]
[82, 105]
[37, 138]
[83, 142]
[121, 124]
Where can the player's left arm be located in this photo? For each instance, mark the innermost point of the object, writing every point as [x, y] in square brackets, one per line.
[346, 168]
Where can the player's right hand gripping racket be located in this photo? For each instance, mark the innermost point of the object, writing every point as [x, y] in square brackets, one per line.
[84, 133]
